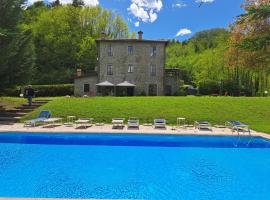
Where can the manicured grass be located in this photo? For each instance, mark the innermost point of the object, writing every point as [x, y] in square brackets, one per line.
[254, 111]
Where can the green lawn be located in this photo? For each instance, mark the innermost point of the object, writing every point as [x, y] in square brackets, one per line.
[254, 111]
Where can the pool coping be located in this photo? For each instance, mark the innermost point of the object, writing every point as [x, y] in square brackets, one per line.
[107, 129]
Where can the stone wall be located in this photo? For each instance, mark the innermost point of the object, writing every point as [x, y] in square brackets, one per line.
[79, 86]
[141, 60]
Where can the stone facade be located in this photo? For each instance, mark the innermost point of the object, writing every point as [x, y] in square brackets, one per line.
[136, 61]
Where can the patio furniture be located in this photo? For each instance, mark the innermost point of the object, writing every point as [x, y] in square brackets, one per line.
[84, 122]
[203, 125]
[70, 120]
[238, 126]
[45, 114]
[181, 121]
[133, 122]
[118, 122]
[52, 121]
[160, 123]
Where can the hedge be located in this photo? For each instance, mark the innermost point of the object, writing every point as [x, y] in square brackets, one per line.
[44, 90]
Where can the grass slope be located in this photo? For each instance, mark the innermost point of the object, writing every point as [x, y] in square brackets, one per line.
[254, 111]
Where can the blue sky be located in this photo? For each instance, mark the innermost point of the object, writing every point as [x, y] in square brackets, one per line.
[163, 19]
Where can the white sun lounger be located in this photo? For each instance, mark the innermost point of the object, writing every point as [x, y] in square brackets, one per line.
[203, 125]
[160, 123]
[133, 123]
[52, 121]
[238, 126]
[118, 122]
[84, 122]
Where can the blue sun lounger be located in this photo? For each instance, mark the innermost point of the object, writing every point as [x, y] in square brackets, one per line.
[236, 125]
[160, 123]
[203, 125]
[43, 115]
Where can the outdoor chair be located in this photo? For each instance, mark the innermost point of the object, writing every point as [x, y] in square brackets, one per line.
[160, 123]
[83, 122]
[43, 115]
[118, 122]
[238, 126]
[203, 125]
[133, 122]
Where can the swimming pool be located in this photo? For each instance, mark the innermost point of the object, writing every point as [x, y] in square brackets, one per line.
[129, 166]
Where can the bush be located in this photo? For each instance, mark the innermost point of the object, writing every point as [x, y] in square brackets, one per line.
[43, 90]
[209, 87]
[11, 92]
[53, 90]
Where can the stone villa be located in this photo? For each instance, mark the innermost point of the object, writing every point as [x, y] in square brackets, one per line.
[129, 67]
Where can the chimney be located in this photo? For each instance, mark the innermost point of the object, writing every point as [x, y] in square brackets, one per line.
[140, 33]
[103, 35]
[79, 72]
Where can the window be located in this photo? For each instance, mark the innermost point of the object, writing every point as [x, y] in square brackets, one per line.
[152, 90]
[109, 70]
[152, 70]
[86, 88]
[130, 50]
[153, 51]
[110, 51]
[130, 68]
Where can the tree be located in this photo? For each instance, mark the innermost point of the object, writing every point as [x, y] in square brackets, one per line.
[15, 45]
[77, 3]
[249, 52]
[64, 39]
[55, 3]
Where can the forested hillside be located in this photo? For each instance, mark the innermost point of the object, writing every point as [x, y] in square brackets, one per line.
[201, 58]
[234, 61]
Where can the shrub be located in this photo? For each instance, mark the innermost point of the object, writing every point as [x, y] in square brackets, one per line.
[209, 87]
[53, 90]
[43, 90]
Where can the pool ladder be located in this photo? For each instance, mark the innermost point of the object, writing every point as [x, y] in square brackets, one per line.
[239, 138]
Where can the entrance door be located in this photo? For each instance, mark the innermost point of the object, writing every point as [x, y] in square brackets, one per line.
[152, 90]
[130, 91]
[168, 91]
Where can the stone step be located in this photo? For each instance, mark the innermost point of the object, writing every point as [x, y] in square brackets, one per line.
[8, 119]
[41, 101]
[26, 108]
[32, 106]
[17, 111]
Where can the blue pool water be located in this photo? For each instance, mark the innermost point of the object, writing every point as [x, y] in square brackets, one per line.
[117, 166]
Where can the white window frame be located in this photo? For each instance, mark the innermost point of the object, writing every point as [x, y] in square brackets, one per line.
[130, 68]
[109, 69]
[110, 50]
[153, 70]
[153, 51]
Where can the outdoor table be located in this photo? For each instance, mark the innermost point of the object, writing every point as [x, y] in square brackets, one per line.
[181, 121]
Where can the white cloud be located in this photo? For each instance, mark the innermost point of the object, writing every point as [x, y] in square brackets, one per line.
[182, 32]
[145, 10]
[205, 1]
[86, 2]
[179, 5]
[137, 24]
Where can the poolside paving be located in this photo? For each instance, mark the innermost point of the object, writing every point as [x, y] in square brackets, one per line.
[18, 127]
